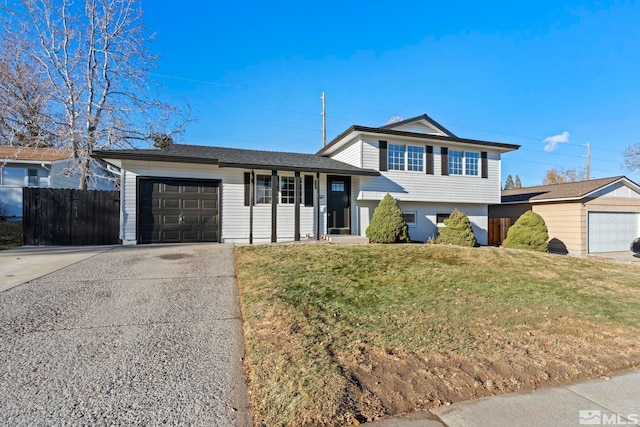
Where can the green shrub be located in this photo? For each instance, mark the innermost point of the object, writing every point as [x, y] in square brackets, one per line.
[457, 230]
[388, 224]
[529, 232]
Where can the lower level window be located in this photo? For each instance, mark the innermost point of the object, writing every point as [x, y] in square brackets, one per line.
[287, 189]
[263, 189]
[441, 217]
[409, 217]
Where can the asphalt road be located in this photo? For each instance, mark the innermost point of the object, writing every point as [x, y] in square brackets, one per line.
[143, 335]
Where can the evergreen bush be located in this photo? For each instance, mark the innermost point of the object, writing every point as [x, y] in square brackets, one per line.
[388, 224]
[529, 232]
[457, 230]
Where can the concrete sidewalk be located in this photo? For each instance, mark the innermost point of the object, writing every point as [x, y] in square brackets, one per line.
[614, 401]
[21, 265]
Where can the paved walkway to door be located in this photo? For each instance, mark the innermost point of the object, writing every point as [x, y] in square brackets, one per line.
[142, 335]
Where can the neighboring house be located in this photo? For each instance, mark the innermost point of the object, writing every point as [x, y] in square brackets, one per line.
[38, 167]
[599, 215]
[200, 193]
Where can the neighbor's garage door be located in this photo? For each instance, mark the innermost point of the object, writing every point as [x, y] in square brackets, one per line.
[175, 211]
[611, 231]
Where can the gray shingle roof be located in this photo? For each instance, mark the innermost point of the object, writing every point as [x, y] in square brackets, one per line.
[384, 132]
[569, 190]
[240, 158]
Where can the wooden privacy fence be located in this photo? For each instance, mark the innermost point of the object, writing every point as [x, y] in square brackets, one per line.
[60, 216]
[498, 228]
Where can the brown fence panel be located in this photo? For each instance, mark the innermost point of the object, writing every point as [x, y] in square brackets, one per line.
[498, 228]
[60, 216]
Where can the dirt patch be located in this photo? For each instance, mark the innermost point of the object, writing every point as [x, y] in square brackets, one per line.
[392, 382]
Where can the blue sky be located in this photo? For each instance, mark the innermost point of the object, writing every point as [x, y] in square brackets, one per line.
[507, 71]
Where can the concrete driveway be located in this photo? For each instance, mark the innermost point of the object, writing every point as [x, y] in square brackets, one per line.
[626, 257]
[143, 335]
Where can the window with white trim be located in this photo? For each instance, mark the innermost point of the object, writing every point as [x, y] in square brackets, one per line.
[288, 190]
[263, 189]
[440, 218]
[464, 163]
[455, 162]
[395, 157]
[410, 218]
[471, 162]
[415, 158]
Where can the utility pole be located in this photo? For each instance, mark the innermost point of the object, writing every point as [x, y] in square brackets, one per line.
[324, 121]
[588, 144]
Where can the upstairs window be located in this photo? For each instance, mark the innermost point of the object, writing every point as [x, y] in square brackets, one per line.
[464, 163]
[471, 160]
[415, 158]
[395, 154]
[455, 162]
[405, 158]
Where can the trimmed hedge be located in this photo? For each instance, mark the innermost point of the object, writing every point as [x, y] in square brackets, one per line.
[457, 230]
[388, 224]
[529, 232]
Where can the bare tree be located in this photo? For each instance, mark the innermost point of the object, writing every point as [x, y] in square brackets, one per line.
[562, 175]
[93, 56]
[24, 98]
[632, 156]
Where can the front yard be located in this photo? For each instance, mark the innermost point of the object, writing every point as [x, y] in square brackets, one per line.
[10, 234]
[343, 334]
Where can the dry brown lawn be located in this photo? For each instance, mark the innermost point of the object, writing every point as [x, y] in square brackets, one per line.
[340, 335]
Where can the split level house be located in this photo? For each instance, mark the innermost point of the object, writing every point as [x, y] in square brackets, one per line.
[189, 193]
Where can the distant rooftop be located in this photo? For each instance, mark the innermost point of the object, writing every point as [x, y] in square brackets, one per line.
[33, 154]
[568, 190]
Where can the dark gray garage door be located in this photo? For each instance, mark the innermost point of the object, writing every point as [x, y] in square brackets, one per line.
[175, 211]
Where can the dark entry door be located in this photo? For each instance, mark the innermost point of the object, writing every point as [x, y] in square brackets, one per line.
[175, 211]
[339, 204]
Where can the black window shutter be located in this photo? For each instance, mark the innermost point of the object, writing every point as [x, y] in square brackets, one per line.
[484, 164]
[444, 156]
[247, 188]
[429, 165]
[308, 190]
[383, 155]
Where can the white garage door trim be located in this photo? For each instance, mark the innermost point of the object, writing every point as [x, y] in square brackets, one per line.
[611, 231]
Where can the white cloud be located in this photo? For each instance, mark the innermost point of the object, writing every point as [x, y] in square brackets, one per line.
[553, 141]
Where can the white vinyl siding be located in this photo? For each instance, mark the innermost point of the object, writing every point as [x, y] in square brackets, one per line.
[234, 215]
[426, 217]
[429, 188]
[350, 153]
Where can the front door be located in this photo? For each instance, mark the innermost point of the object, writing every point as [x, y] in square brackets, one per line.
[339, 204]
